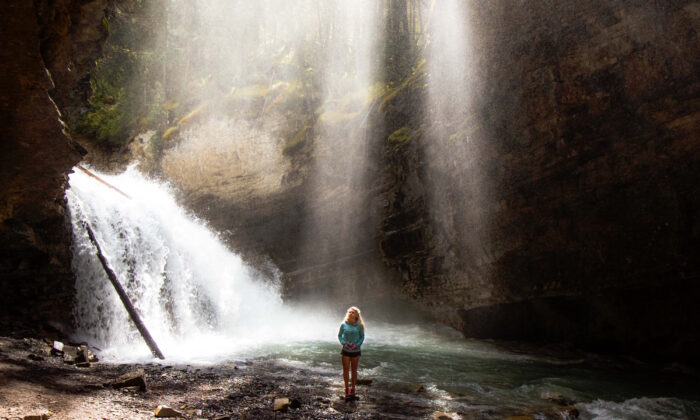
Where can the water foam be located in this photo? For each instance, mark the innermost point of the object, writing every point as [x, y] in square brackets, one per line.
[640, 408]
[199, 300]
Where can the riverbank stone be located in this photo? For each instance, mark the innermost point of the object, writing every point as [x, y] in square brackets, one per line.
[163, 411]
[557, 398]
[136, 378]
[281, 404]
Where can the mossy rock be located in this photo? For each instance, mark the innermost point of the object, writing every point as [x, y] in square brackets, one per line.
[169, 132]
[334, 116]
[297, 141]
[400, 136]
[413, 81]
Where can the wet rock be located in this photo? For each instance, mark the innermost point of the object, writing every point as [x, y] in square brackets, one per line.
[83, 364]
[281, 404]
[165, 411]
[57, 348]
[35, 357]
[135, 378]
[439, 415]
[83, 354]
[570, 412]
[364, 382]
[557, 398]
[295, 403]
[418, 389]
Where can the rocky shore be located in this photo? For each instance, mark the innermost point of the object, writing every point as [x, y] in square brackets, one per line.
[38, 382]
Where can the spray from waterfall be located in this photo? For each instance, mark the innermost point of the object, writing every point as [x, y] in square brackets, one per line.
[198, 299]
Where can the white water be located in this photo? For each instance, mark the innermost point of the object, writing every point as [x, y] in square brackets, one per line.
[199, 300]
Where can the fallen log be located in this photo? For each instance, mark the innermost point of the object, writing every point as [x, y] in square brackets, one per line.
[90, 174]
[124, 298]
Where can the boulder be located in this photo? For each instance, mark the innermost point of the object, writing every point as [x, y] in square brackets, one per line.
[281, 404]
[570, 412]
[83, 354]
[57, 348]
[556, 398]
[165, 411]
[134, 378]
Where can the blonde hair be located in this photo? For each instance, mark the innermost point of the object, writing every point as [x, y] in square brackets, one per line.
[359, 315]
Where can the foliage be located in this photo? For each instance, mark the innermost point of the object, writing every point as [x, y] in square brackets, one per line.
[158, 71]
[124, 97]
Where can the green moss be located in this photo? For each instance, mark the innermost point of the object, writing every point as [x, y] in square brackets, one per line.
[105, 24]
[335, 116]
[170, 132]
[400, 136]
[297, 140]
[411, 81]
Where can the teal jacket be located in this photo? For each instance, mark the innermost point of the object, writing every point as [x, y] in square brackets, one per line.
[351, 336]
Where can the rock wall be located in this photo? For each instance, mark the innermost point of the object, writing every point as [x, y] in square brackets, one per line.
[37, 152]
[568, 208]
[558, 201]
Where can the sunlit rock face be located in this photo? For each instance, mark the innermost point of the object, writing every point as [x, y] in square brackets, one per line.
[561, 202]
[35, 274]
[282, 156]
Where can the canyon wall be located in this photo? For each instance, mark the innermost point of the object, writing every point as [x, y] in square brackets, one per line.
[568, 208]
[44, 39]
[560, 204]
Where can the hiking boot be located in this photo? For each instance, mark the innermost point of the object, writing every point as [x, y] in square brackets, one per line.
[352, 391]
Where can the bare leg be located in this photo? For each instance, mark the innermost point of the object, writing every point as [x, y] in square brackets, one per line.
[355, 362]
[346, 368]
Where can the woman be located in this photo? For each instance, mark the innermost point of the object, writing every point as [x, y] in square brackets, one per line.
[351, 335]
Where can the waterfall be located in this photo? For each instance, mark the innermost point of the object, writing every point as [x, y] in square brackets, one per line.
[198, 299]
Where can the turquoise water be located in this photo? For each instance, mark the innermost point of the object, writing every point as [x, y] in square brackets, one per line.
[482, 378]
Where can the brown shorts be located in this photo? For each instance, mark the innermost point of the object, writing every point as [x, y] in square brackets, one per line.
[354, 354]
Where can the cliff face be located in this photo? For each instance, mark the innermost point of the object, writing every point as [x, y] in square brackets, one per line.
[37, 153]
[569, 206]
[557, 200]
[559, 203]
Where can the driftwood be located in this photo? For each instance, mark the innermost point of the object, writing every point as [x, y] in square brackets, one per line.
[89, 173]
[124, 298]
